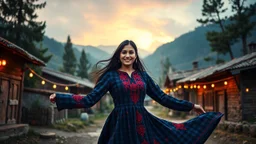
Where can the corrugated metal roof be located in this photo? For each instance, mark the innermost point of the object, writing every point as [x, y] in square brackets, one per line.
[68, 77]
[247, 60]
[248, 63]
[182, 74]
[6, 44]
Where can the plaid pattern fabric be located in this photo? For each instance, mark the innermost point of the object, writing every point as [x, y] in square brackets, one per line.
[130, 122]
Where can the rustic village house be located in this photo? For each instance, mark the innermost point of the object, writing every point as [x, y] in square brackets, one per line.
[12, 68]
[171, 86]
[228, 88]
[54, 81]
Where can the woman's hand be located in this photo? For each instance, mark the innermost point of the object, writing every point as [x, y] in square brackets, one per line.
[52, 98]
[198, 109]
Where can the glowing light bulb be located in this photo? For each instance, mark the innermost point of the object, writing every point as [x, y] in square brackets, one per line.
[54, 86]
[213, 85]
[247, 89]
[3, 62]
[30, 74]
[43, 82]
[66, 88]
[204, 86]
[225, 83]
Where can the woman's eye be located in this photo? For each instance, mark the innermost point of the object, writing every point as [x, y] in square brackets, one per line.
[124, 52]
[131, 52]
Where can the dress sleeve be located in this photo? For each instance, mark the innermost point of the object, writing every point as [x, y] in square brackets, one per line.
[154, 91]
[70, 101]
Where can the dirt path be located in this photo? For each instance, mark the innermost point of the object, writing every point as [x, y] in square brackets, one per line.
[89, 135]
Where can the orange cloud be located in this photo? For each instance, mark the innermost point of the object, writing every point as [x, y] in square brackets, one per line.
[147, 22]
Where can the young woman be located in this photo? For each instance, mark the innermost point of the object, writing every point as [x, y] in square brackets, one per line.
[129, 122]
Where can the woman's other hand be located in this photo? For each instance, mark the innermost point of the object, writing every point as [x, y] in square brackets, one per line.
[198, 109]
[52, 98]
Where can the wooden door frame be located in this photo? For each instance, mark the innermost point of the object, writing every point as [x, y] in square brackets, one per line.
[216, 100]
[7, 98]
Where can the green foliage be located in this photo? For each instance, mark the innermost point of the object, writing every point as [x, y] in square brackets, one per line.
[83, 66]
[166, 67]
[208, 59]
[69, 59]
[220, 41]
[241, 26]
[18, 25]
[72, 125]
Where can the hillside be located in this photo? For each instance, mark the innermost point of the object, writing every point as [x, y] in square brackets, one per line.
[189, 47]
[57, 49]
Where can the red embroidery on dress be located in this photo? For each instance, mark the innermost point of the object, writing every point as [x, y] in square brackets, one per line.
[78, 100]
[179, 126]
[155, 141]
[138, 117]
[134, 88]
[125, 80]
[141, 130]
[144, 142]
[139, 82]
[134, 96]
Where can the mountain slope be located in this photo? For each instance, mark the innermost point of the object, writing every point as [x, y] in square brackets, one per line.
[57, 49]
[111, 49]
[189, 47]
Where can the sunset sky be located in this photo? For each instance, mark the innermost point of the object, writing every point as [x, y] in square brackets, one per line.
[149, 23]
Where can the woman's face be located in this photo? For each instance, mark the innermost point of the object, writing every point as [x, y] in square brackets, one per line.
[127, 55]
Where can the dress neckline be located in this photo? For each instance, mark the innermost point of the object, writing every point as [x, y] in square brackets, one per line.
[127, 72]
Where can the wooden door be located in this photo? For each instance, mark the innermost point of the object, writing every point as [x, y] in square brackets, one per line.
[4, 94]
[220, 101]
[13, 102]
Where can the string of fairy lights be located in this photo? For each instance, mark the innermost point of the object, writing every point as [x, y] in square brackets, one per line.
[54, 84]
[2, 62]
[196, 85]
[203, 85]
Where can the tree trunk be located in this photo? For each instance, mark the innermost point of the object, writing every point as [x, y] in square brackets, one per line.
[245, 51]
[18, 27]
[230, 51]
[228, 44]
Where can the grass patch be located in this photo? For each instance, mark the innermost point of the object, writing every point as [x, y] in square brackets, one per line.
[75, 124]
[72, 124]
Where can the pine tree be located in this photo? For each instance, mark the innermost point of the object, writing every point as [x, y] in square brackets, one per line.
[83, 66]
[69, 59]
[18, 25]
[166, 65]
[219, 41]
[242, 26]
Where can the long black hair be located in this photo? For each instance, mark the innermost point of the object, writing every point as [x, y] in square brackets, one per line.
[114, 62]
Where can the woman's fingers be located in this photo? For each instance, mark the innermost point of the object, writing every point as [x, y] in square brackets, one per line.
[52, 98]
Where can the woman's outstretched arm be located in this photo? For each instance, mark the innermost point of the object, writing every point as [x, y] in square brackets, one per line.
[70, 101]
[155, 92]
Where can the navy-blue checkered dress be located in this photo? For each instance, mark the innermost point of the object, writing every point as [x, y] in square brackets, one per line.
[130, 122]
